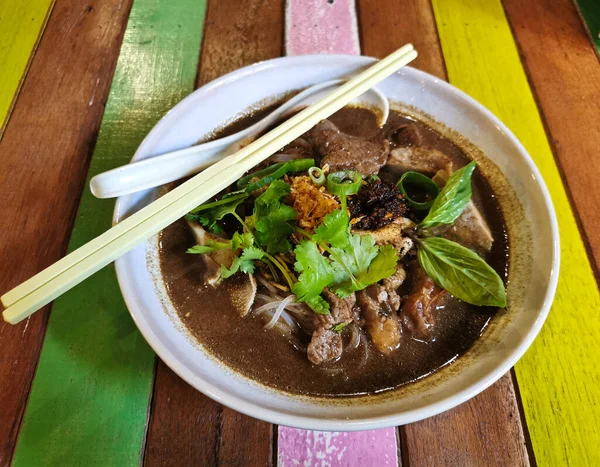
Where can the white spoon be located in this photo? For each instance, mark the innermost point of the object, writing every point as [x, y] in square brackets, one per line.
[158, 170]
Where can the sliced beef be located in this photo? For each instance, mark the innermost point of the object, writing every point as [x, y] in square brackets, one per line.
[326, 344]
[297, 149]
[419, 159]
[346, 152]
[406, 134]
[417, 313]
[391, 285]
[376, 204]
[380, 318]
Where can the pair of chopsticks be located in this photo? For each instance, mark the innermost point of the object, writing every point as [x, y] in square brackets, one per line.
[41, 289]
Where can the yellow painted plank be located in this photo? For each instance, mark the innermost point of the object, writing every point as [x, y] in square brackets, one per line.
[21, 23]
[559, 377]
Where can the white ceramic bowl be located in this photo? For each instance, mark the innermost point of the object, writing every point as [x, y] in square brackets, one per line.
[533, 267]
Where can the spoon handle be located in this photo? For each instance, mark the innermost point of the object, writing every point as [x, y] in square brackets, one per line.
[152, 172]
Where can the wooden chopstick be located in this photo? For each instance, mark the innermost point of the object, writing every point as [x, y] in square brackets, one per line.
[45, 286]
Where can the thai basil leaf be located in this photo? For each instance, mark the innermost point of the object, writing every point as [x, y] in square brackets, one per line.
[452, 199]
[461, 272]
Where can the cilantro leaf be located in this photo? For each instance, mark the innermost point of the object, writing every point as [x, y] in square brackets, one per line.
[357, 256]
[209, 213]
[335, 229]
[271, 218]
[241, 240]
[244, 262]
[209, 247]
[317, 273]
[381, 267]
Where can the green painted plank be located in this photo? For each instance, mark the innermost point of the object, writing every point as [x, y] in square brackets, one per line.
[89, 400]
[590, 10]
[21, 25]
[559, 377]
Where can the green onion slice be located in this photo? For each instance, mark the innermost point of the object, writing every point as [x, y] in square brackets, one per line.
[274, 172]
[422, 182]
[316, 175]
[344, 183]
[226, 199]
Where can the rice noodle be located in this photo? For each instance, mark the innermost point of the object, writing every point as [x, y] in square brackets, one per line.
[264, 297]
[354, 337]
[268, 306]
[279, 311]
[264, 282]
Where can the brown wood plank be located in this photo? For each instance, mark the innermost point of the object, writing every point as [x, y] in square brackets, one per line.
[386, 25]
[487, 430]
[44, 156]
[564, 75]
[186, 427]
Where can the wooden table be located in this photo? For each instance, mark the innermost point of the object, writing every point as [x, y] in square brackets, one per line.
[81, 83]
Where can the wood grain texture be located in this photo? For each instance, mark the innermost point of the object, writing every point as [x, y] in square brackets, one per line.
[235, 34]
[43, 159]
[565, 78]
[21, 26]
[187, 428]
[387, 25]
[89, 400]
[463, 436]
[559, 377]
[328, 27]
[239, 33]
[485, 430]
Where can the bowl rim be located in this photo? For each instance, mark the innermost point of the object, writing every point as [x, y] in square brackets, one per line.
[366, 423]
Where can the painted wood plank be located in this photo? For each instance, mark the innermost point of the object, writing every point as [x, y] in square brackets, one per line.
[565, 77]
[559, 377]
[387, 25]
[590, 11]
[21, 26]
[372, 448]
[88, 404]
[43, 161]
[186, 427]
[456, 435]
[319, 26]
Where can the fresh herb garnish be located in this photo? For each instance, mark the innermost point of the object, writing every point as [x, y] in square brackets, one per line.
[344, 183]
[453, 267]
[354, 261]
[244, 262]
[271, 218]
[452, 199]
[209, 214]
[416, 179]
[271, 173]
[316, 274]
[461, 272]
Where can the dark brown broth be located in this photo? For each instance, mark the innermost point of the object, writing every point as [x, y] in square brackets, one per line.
[244, 345]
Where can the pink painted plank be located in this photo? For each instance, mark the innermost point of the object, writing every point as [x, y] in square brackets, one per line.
[321, 27]
[374, 448]
[317, 27]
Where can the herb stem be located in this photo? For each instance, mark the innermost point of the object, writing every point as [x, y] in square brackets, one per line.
[283, 270]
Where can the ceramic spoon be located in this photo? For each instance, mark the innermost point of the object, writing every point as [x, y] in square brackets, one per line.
[158, 170]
